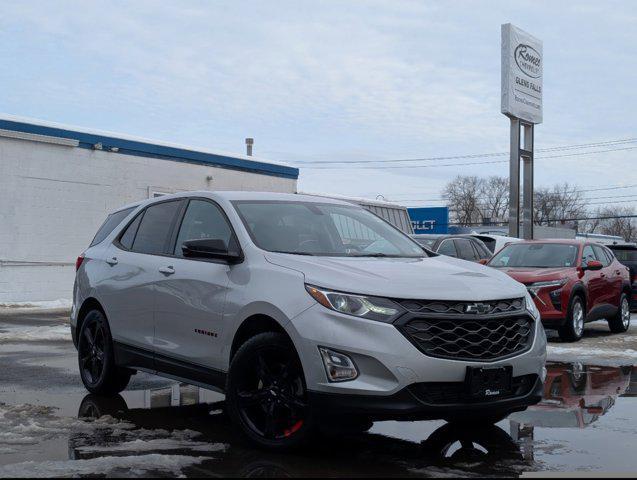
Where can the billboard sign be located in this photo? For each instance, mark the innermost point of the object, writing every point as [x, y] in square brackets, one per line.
[429, 219]
[522, 66]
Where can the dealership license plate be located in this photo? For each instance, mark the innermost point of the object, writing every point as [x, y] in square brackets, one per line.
[487, 383]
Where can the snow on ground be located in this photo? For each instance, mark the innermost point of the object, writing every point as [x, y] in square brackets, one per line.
[53, 333]
[123, 446]
[129, 466]
[60, 304]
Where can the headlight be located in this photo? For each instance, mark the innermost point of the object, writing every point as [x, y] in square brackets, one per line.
[531, 306]
[537, 286]
[372, 308]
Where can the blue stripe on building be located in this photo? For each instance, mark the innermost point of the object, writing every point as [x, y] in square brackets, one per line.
[143, 149]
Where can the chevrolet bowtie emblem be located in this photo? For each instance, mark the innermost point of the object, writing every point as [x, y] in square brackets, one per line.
[478, 308]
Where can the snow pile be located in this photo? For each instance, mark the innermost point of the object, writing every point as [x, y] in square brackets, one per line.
[59, 304]
[555, 352]
[130, 466]
[119, 447]
[55, 333]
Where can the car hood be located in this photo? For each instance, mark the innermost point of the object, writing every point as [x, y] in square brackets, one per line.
[528, 275]
[434, 278]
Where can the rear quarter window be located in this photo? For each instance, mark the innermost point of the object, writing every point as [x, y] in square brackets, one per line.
[112, 221]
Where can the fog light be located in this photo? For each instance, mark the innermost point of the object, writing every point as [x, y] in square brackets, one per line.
[338, 366]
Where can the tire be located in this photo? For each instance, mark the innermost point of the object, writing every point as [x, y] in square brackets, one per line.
[96, 360]
[621, 321]
[573, 329]
[266, 394]
[94, 407]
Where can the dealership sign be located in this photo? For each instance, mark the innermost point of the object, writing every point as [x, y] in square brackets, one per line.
[522, 65]
[429, 219]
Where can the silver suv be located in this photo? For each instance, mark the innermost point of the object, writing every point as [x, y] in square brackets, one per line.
[305, 311]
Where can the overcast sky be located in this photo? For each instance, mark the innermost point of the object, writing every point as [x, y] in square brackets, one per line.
[330, 80]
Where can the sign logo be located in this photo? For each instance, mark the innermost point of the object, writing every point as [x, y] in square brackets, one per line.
[528, 60]
[478, 308]
[490, 393]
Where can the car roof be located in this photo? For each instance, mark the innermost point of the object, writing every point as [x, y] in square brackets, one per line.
[564, 241]
[231, 195]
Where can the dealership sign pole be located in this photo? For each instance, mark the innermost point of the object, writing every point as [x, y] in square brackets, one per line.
[522, 103]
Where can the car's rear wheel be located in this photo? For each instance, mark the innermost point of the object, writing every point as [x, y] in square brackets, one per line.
[266, 395]
[96, 359]
[573, 329]
[621, 321]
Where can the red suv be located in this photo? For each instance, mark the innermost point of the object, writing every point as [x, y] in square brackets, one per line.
[572, 283]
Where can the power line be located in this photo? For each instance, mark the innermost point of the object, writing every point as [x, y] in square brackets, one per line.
[476, 155]
[550, 220]
[394, 167]
[613, 187]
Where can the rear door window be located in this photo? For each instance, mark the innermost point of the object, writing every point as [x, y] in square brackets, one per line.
[153, 234]
[447, 248]
[127, 239]
[465, 250]
[112, 221]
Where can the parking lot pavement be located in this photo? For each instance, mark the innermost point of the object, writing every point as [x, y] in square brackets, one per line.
[51, 427]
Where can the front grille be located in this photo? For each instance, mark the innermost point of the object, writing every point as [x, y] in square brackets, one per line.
[449, 393]
[470, 338]
[442, 307]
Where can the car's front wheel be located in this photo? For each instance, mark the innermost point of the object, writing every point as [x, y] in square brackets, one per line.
[573, 329]
[621, 321]
[266, 395]
[96, 358]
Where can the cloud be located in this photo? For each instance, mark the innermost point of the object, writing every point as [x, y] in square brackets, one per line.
[323, 80]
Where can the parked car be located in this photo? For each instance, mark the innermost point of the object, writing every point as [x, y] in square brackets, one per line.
[459, 246]
[573, 282]
[495, 242]
[627, 255]
[305, 311]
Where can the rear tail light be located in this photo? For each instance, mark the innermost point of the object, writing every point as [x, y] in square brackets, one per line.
[78, 262]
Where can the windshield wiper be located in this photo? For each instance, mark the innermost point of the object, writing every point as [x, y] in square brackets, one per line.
[293, 253]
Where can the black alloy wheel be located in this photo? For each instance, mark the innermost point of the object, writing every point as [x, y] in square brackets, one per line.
[91, 350]
[96, 359]
[266, 393]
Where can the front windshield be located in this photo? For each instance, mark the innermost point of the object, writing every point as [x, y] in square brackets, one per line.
[539, 255]
[306, 228]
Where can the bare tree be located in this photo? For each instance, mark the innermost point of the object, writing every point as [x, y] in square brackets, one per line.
[614, 220]
[494, 193]
[462, 195]
[558, 205]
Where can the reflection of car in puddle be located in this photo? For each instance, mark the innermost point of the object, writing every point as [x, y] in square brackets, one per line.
[183, 408]
[576, 395]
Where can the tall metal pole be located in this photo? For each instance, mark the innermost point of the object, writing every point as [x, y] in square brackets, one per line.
[514, 179]
[527, 159]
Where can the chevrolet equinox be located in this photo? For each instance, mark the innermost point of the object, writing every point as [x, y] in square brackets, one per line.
[306, 312]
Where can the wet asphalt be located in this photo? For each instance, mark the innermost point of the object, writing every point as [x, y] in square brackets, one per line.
[50, 426]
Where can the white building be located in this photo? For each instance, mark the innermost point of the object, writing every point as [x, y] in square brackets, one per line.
[58, 183]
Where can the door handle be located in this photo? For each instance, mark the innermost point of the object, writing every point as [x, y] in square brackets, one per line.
[167, 270]
[112, 261]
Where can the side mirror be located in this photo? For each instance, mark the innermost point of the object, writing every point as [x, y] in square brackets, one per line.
[594, 265]
[210, 248]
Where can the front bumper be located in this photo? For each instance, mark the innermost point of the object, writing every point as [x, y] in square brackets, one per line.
[411, 403]
[387, 361]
